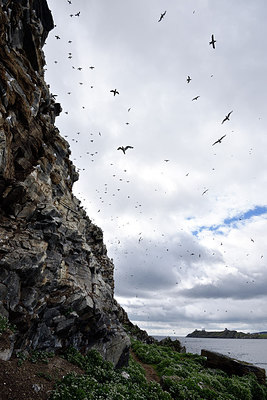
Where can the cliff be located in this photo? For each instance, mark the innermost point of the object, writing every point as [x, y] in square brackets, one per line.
[56, 280]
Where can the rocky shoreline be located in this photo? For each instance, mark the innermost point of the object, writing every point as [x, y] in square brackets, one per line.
[226, 334]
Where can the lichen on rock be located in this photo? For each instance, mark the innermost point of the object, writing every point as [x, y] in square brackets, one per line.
[56, 280]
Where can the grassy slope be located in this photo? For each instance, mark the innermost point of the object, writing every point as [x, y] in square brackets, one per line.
[183, 377]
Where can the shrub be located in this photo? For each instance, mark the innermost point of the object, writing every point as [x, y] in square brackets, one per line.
[5, 325]
[102, 381]
[185, 376]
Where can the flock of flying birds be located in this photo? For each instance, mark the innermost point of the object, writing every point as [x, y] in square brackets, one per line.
[116, 92]
[124, 148]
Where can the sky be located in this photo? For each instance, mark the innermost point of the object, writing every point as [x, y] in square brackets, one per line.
[184, 218]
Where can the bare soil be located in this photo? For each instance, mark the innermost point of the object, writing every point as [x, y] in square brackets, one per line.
[35, 381]
[32, 381]
[151, 374]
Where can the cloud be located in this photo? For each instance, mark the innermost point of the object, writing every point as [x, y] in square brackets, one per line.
[234, 287]
[195, 256]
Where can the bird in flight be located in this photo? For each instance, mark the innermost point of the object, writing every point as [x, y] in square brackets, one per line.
[114, 91]
[57, 37]
[78, 14]
[213, 41]
[91, 67]
[205, 191]
[188, 79]
[162, 16]
[195, 98]
[226, 118]
[124, 148]
[219, 140]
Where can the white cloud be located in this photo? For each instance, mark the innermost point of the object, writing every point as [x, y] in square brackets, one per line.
[172, 279]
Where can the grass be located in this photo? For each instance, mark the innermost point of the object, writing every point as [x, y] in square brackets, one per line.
[183, 376]
[34, 357]
[102, 381]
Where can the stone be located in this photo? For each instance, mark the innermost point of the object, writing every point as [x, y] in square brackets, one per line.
[232, 366]
[56, 279]
[36, 387]
[7, 341]
[175, 345]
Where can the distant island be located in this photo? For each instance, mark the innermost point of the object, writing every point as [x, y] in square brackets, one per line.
[226, 334]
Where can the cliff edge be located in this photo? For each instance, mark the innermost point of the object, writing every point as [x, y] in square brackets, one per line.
[56, 280]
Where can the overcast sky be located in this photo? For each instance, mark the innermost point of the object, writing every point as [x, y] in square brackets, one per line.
[184, 219]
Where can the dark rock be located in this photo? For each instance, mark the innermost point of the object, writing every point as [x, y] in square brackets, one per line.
[175, 345]
[232, 366]
[43, 12]
[57, 282]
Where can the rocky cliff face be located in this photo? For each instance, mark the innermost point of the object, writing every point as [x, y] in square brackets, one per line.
[56, 281]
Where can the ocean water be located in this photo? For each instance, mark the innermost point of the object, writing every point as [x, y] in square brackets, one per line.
[253, 351]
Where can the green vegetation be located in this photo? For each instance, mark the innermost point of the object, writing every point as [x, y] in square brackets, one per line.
[262, 335]
[5, 325]
[183, 377]
[45, 375]
[226, 334]
[102, 381]
[34, 357]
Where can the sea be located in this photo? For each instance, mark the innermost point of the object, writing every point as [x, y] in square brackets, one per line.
[253, 351]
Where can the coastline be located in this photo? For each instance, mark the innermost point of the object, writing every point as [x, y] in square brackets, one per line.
[226, 334]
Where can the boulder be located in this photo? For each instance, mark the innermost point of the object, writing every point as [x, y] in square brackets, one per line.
[232, 366]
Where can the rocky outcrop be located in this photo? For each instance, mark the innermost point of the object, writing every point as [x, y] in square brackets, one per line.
[226, 334]
[232, 366]
[56, 280]
[133, 330]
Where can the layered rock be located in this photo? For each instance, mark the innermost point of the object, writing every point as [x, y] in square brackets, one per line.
[232, 366]
[56, 280]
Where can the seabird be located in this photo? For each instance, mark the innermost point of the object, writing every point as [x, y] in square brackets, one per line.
[195, 98]
[124, 148]
[219, 140]
[226, 118]
[57, 37]
[188, 79]
[213, 41]
[162, 16]
[205, 191]
[114, 91]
